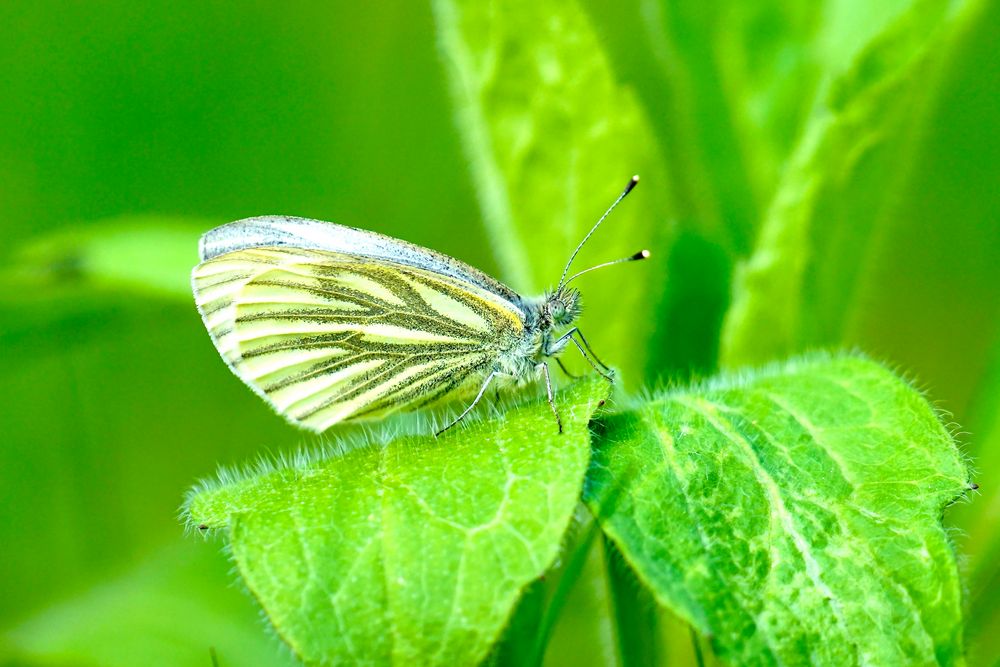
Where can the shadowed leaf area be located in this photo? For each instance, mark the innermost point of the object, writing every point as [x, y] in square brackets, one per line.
[793, 515]
[414, 552]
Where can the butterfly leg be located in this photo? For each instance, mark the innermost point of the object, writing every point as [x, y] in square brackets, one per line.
[589, 356]
[590, 351]
[548, 389]
[565, 371]
[482, 390]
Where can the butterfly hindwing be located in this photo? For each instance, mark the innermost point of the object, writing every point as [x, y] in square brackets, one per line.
[326, 336]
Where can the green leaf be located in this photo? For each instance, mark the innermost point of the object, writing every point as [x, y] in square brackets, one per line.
[636, 616]
[172, 609]
[881, 225]
[583, 631]
[791, 515]
[415, 551]
[552, 138]
[978, 522]
[106, 417]
[147, 254]
[737, 83]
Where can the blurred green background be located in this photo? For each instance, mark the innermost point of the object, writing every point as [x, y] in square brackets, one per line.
[128, 129]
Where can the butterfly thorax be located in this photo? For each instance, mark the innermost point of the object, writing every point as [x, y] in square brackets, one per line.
[546, 317]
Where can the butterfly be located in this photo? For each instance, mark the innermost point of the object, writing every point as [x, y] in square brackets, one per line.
[329, 323]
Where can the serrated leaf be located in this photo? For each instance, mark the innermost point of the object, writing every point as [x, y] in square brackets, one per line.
[552, 138]
[880, 223]
[411, 553]
[791, 515]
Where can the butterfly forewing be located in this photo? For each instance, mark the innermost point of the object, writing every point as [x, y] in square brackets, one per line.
[327, 336]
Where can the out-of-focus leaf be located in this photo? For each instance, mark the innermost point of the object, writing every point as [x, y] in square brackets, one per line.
[636, 615]
[584, 631]
[874, 236]
[172, 610]
[552, 138]
[979, 521]
[729, 86]
[563, 617]
[693, 305]
[145, 255]
[791, 515]
[415, 552]
[106, 418]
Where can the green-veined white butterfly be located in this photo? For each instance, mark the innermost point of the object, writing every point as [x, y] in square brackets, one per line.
[329, 323]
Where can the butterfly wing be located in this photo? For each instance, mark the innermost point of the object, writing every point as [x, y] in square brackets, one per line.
[280, 231]
[327, 336]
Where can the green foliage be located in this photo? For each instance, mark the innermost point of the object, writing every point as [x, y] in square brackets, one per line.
[791, 515]
[149, 255]
[851, 232]
[829, 166]
[413, 552]
[196, 612]
[979, 537]
[535, 96]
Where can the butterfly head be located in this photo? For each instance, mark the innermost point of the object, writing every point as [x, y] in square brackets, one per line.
[562, 307]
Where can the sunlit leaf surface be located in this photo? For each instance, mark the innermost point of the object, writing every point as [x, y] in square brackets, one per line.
[791, 515]
[414, 552]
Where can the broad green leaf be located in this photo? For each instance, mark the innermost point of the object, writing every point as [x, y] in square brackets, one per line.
[171, 610]
[552, 138]
[414, 552]
[792, 515]
[879, 234]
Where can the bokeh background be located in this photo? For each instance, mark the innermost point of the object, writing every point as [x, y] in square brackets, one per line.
[128, 129]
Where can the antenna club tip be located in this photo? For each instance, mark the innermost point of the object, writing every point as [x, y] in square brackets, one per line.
[631, 184]
[642, 254]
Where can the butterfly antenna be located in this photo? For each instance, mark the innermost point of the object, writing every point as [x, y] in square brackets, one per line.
[628, 188]
[642, 254]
